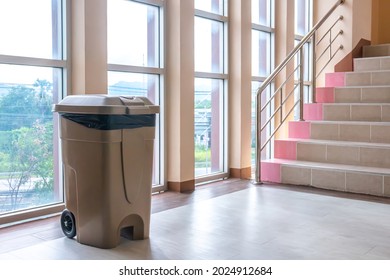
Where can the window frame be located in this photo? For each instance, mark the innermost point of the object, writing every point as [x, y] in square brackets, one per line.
[308, 56]
[20, 216]
[259, 79]
[160, 71]
[222, 76]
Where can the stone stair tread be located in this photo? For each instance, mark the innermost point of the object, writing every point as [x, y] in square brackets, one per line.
[356, 104]
[330, 166]
[350, 122]
[372, 57]
[338, 143]
[352, 87]
[367, 71]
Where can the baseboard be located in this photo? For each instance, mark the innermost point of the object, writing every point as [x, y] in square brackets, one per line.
[187, 186]
[241, 173]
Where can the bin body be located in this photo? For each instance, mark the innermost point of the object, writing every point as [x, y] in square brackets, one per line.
[108, 174]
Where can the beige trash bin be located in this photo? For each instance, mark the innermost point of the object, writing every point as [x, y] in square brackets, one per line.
[107, 153]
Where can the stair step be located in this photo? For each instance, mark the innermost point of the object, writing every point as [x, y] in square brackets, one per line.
[356, 94]
[371, 132]
[339, 152]
[366, 78]
[372, 112]
[376, 50]
[346, 178]
[371, 63]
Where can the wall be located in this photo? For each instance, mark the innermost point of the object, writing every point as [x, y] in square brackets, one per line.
[380, 22]
[89, 47]
[356, 25]
[180, 95]
[240, 88]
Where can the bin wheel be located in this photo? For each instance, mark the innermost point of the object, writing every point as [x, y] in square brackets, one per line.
[68, 224]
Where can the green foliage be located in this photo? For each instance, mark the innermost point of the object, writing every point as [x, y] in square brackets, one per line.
[202, 154]
[26, 145]
[30, 160]
[203, 104]
[22, 105]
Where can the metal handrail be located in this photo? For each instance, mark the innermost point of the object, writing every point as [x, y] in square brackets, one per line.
[311, 36]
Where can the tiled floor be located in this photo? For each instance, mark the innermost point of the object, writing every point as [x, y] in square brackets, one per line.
[257, 222]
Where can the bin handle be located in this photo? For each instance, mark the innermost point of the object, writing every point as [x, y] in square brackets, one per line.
[131, 101]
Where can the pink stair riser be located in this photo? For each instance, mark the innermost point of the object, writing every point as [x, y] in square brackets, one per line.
[270, 172]
[299, 129]
[325, 95]
[313, 112]
[285, 149]
[336, 79]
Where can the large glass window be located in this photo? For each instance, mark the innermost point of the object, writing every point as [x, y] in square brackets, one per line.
[262, 63]
[210, 89]
[302, 27]
[302, 17]
[32, 71]
[135, 65]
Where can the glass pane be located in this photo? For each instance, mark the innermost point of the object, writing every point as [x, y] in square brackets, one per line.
[208, 126]
[261, 12]
[208, 46]
[212, 6]
[261, 53]
[132, 33]
[29, 162]
[302, 16]
[306, 62]
[147, 85]
[30, 28]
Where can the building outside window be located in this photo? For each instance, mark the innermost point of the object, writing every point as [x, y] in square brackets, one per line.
[210, 89]
[262, 63]
[33, 67]
[135, 60]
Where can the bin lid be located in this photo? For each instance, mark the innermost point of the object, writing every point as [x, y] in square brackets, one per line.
[106, 105]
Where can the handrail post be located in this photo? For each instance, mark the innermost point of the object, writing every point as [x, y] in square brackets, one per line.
[281, 104]
[301, 82]
[313, 69]
[258, 139]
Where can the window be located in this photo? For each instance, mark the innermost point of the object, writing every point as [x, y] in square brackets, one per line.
[262, 63]
[302, 17]
[32, 69]
[210, 89]
[302, 27]
[135, 64]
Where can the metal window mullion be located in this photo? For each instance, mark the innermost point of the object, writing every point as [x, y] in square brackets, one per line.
[211, 16]
[206, 75]
[158, 3]
[258, 78]
[263, 28]
[135, 69]
[32, 61]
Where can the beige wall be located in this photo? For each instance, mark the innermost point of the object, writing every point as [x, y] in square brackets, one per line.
[180, 94]
[240, 88]
[89, 47]
[356, 25]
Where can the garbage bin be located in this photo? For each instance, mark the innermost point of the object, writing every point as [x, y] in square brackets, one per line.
[107, 153]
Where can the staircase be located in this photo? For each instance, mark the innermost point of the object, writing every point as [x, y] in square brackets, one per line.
[344, 142]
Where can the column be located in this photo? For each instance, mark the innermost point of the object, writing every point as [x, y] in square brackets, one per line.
[179, 94]
[240, 88]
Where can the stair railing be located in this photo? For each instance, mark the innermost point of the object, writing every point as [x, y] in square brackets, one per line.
[298, 72]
